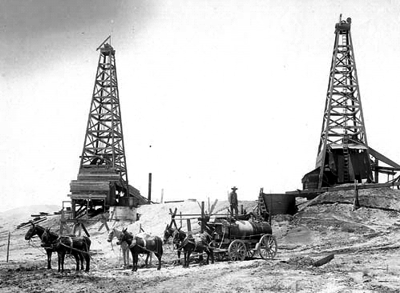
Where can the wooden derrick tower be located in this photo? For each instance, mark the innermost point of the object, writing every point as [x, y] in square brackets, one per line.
[103, 175]
[343, 152]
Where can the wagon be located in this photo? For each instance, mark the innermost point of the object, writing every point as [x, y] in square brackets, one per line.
[238, 239]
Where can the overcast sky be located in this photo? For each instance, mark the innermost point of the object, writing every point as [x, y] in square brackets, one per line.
[225, 92]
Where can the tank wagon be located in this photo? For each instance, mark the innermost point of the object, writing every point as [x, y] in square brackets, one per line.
[238, 239]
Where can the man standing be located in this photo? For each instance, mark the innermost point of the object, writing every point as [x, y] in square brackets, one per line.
[233, 201]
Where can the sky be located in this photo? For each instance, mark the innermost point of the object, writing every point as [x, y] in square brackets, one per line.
[213, 93]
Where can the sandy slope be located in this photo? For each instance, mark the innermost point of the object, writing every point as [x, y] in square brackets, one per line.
[365, 243]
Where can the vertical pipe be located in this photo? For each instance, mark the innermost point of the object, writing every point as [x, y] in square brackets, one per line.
[149, 196]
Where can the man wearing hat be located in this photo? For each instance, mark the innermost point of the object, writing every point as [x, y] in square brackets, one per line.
[233, 200]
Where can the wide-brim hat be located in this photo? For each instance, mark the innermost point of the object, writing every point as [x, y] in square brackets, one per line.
[234, 188]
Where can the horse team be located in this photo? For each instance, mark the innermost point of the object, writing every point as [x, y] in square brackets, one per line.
[79, 247]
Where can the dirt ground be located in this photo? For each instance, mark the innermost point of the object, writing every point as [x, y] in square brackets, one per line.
[364, 242]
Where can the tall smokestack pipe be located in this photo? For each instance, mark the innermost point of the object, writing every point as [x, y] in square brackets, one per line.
[149, 196]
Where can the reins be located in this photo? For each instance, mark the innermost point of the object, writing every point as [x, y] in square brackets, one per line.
[36, 247]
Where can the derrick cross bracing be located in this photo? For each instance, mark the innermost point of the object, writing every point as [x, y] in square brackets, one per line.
[343, 152]
[103, 176]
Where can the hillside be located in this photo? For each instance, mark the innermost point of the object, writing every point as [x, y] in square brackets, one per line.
[364, 242]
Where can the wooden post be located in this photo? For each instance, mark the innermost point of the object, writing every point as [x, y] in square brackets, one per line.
[62, 222]
[270, 212]
[180, 214]
[202, 217]
[162, 195]
[73, 207]
[324, 260]
[8, 245]
[241, 209]
[356, 204]
[376, 171]
[103, 220]
[85, 230]
[189, 227]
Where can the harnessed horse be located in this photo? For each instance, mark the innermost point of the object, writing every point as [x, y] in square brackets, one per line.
[39, 231]
[142, 245]
[168, 233]
[77, 246]
[194, 243]
[124, 246]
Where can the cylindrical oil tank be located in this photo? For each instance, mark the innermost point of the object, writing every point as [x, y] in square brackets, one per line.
[247, 229]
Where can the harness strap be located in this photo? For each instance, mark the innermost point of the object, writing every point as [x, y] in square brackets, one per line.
[72, 243]
[144, 248]
[144, 241]
[71, 248]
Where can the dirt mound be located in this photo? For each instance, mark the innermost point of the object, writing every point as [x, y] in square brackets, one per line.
[379, 198]
[154, 218]
[9, 220]
[329, 221]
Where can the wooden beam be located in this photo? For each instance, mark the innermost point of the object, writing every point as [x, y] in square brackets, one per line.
[323, 261]
[302, 193]
[382, 158]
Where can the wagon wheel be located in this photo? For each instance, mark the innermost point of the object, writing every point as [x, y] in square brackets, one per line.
[250, 253]
[237, 250]
[267, 247]
[218, 254]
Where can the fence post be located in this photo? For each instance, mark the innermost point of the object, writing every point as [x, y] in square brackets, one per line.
[8, 245]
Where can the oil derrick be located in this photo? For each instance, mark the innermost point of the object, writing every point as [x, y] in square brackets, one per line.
[103, 176]
[343, 152]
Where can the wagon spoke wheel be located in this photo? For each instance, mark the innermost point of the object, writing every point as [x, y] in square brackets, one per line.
[250, 253]
[237, 250]
[267, 247]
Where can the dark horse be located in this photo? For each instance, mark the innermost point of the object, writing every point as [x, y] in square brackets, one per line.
[39, 231]
[76, 246]
[142, 245]
[168, 233]
[194, 243]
